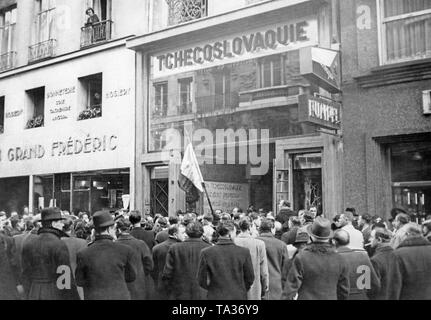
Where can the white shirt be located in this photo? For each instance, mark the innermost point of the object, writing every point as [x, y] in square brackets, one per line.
[356, 237]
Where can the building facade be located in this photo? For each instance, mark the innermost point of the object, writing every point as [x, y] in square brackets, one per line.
[386, 99]
[67, 103]
[254, 85]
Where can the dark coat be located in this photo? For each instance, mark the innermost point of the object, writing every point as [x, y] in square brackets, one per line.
[148, 236]
[162, 236]
[276, 252]
[289, 237]
[41, 259]
[160, 252]
[104, 269]
[9, 271]
[318, 273]
[181, 268]
[357, 259]
[413, 258]
[139, 288]
[385, 265]
[226, 271]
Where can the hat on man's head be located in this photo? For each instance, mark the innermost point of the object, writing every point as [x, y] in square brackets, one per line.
[51, 214]
[301, 237]
[103, 219]
[320, 229]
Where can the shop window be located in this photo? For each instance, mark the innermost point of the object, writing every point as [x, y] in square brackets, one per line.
[411, 177]
[43, 37]
[185, 96]
[406, 30]
[36, 101]
[186, 10]
[161, 99]
[7, 38]
[1, 115]
[98, 24]
[271, 71]
[91, 96]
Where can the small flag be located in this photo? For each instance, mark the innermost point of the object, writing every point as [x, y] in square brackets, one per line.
[190, 176]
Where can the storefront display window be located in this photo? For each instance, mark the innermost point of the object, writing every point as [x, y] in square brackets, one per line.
[411, 177]
[91, 192]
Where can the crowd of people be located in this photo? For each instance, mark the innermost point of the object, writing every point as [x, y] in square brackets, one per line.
[250, 255]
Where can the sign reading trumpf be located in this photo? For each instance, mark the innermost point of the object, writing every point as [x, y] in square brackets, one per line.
[319, 111]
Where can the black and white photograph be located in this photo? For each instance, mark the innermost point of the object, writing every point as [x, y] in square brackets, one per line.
[215, 155]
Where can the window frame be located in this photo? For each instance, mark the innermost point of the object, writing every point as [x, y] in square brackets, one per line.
[190, 81]
[261, 68]
[381, 30]
[2, 113]
[11, 26]
[164, 97]
[33, 106]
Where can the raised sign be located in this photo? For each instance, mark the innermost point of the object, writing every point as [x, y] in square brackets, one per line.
[322, 112]
[257, 43]
[226, 196]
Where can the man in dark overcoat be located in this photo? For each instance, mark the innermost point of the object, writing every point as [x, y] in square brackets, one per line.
[182, 262]
[226, 270]
[318, 272]
[413, 258]
[277, 255]
[363, 278]
[138, 288]
[46, 269]
[385, 265]
[160, 252]
[9, 269]
[105, 267]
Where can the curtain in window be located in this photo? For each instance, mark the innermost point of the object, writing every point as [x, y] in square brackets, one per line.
[409, 37]
[7, 30]
[45, 20]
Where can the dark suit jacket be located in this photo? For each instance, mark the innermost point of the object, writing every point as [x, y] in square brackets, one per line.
[180, 270]
[139, 288]
[8, 269]
[385, 265]
[104, 269]
[226, 271]
[147, 236]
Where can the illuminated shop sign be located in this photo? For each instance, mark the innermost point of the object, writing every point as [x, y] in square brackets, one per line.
[319, 111]
[271, 40]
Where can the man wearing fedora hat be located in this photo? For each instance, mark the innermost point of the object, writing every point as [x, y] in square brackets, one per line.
[46, 270]
[318, 272]
[105, 267]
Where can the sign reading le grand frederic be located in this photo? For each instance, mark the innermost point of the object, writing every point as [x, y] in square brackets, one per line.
[271, 40]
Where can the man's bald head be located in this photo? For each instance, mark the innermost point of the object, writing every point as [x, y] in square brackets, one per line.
[341, 238]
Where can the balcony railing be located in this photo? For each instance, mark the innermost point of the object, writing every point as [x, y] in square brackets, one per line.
[186, 10]
[185, 108]
[7, 61]
[91, 113]
[95, 33]
[42, 50]
[217, 103]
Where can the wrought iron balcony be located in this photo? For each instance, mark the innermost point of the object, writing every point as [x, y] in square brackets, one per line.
[96, 33]
[186, 10]
[42, 50]
[7, 61]
[217, 103]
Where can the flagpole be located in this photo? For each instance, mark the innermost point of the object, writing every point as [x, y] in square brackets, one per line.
[208, 198]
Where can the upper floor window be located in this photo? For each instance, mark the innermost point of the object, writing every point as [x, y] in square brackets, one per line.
[406, 30]
[1, 115]
[43, 37]
[186, 10]
[98, 24]
[7, 38]
[91, 93]
[271, 71]
[161, 99]
[36, 102]
[185, 96]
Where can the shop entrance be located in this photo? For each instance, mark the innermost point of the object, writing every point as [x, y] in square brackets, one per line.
[160, 191]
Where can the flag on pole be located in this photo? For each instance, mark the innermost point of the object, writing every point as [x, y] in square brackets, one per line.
[190, 175]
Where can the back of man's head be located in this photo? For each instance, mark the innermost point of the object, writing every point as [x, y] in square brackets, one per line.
[341, 238]
[195, 230]
[383, 234]
[173, 230]
[135, 217]
[403, 218]
[244, 224]
[348, 216]
[225, 228]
